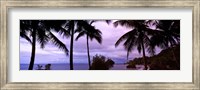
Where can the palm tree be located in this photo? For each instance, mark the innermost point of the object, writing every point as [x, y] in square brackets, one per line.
[138, 37]
[167, 35]
[70, 26]
[86, 28]
[37, 30]
[68, 30]
[170, 30]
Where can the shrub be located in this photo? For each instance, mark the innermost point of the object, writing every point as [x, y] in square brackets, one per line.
[100, 63]
[110, 63]
[131, 64]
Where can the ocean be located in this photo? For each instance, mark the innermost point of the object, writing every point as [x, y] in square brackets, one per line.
[76, 67]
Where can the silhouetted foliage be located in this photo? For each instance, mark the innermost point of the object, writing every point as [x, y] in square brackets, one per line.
[167, 35]
[163, 61]
[142, 37]
[110, 63]
[131, 64]
[138, 37]
[86, 28]
[82, 27]
[101, 63]
[39, 30]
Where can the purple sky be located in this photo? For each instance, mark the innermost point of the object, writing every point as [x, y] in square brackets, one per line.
[51, 54]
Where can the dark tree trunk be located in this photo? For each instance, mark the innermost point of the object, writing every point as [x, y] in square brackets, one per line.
[71, 49]
[33, 51]
[127, 55]
[88, 52]
[144, 56]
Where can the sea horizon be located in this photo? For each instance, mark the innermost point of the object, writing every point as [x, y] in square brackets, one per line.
[77, 66]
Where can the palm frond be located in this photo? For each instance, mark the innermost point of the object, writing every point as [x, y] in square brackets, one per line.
[129, 43]
[149, 45]
[146, 41]
[129, 46]
[83, 27]
[80, 35]
[42, 38]
[23, 35]
[58, 43]
[151, 50]
[123, 37]
[139, 48]
[97, 36]
[125, 23]
[138, 42]
[70, 25]
[108, 21]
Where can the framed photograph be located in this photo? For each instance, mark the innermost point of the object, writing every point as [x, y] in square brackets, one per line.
[93, 44]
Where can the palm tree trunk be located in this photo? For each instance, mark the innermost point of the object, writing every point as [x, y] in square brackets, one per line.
[33, 51]
[71, 49]
[88, 52]
[144, 56]
[127, 55]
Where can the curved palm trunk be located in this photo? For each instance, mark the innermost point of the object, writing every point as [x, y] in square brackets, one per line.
[144, 56]
[33, 51]
[71, 49]
[88, 52]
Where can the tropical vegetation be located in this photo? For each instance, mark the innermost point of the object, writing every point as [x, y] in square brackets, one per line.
[91, 33]
[100, 62]
[162, 61]
[145, 35]
[39, 30]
